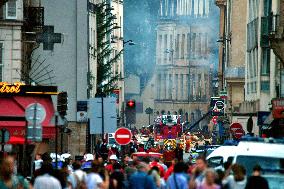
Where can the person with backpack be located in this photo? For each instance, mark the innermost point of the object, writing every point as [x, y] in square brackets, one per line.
[77, 178]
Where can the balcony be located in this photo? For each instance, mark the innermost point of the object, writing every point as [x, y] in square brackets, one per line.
[235, 73]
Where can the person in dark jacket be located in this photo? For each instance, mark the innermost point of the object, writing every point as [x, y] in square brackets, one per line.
[256, 181]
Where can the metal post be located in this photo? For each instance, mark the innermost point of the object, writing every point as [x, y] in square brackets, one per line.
[61, 140]
[103, 126]
[56, 140]
[149, 119]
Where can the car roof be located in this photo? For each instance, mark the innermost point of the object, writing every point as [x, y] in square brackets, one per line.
[260, 149]
[224, 151]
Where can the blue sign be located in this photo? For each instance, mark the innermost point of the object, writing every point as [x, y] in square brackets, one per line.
[261, 117]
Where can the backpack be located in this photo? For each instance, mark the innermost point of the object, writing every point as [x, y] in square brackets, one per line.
[80, 184]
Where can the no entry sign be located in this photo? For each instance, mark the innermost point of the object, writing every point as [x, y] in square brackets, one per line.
[237, 130]
[122, 136]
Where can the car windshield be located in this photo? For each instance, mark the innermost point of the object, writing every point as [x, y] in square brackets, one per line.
[274, 181]
[215, 161]
[266, 163]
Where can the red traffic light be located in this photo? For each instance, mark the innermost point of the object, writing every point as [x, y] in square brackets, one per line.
[131, 103]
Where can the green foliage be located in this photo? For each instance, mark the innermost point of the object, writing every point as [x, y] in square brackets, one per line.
[106, 79]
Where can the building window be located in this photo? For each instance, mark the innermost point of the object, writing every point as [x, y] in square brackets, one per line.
[166, 46]
[11, 9]
[193, 44]
[264, 86]
[188, 45]
[1, 61]
[177, 47]
[182, 46]
[265, 67]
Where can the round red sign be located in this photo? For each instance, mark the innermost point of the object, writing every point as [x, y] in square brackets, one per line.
[123, 136]
[238, 133]
[235, 126]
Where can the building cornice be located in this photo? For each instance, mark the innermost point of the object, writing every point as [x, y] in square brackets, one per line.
[11, 23]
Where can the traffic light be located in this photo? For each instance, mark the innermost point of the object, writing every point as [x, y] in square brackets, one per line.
[130, 112]
[131, 104]
[62, 103]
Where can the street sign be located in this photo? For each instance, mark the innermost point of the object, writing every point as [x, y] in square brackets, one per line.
[237, 130]
[122, 136]
[102, 115]
[34, 133]
[238, 133]
[4, 135]
[235, 126]
[35, 113]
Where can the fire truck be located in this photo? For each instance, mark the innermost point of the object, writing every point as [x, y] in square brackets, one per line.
[168, 134]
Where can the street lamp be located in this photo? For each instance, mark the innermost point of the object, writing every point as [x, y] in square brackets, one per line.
[149, 111]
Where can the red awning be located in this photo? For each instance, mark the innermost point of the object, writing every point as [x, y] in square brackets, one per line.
[16, 105]
[16, 140]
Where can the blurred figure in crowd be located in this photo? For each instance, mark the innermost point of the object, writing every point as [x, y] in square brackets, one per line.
[238, 179]
[256, 181]
[140, 179]
[117, 177]
[171, 169]
[198, 172]
[8, 180]
[46, 180]
[178, 180]
[209, 180]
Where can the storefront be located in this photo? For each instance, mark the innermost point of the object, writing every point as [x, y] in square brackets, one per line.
[14, 101]
[273, 125]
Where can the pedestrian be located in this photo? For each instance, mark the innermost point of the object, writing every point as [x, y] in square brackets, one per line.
[198, 172]
[171, 168]
[178, 180]
[238, 179]
[112, 160]
[77, 178]
[117, 177]
[8, 180]
[160, 182]
[256, 181]
[94, 179]
[46, 180]
[209, 181]
[140, 179]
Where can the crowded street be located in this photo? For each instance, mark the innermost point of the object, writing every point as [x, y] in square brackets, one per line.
[142, 94]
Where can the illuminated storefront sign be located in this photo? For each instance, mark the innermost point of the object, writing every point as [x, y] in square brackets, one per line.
[8, 88]
[18, 88]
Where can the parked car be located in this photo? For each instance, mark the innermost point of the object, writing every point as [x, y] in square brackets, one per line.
[268, 153]
[221, 155]
[141, 155]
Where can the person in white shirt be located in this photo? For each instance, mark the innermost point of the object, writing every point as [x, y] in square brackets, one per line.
[46, 181]
[93, 179]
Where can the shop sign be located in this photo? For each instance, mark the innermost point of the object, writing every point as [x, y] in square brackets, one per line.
[19, 88]
[278, 108]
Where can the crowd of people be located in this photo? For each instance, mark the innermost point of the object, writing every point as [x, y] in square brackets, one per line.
[128, 173]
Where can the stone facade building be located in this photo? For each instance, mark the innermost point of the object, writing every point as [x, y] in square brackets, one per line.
[11, 21]
[185, 56]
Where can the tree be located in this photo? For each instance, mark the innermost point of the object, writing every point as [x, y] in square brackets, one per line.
[106, 79]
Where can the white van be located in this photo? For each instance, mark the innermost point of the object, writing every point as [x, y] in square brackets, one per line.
[221, 155]
[268, 153]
